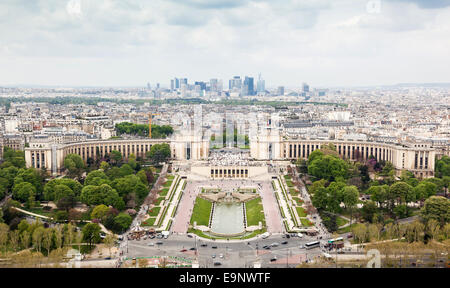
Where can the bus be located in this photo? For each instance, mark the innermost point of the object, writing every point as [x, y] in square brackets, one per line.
[331, 241]
[311, 245]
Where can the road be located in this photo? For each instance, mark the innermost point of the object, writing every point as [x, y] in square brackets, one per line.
[235, 254]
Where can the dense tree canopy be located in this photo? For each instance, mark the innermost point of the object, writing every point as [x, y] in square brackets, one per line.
[142, 130]
[328, 167]
[159, 153]
[437, 208]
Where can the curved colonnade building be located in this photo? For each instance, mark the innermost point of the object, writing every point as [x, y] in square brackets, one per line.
[417, 158]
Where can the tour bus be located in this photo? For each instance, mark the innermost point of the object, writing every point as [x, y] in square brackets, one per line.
[311, 245]
[331, 241]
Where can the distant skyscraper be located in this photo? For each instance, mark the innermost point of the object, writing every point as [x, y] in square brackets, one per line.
[236, 82]
[148, 86]
[202, 85]
[213, 84]
[172, 85]
[305, 87]
[183, 81]
[177, 83]
[260, 85]
[248, 86]
[280, 90]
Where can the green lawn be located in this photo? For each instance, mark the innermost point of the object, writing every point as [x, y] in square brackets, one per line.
[293, 191]
[158, 201]
[341, 221]
[149, 222]
[287, 177]
[305, 222]
[346, 229]
[154, 211]
[255, 212]
[200, 214]
[168, 183]
[164, 192]
[301, 212]
[170, 177]
[289, 183]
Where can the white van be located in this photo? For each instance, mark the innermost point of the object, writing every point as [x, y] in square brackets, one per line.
[300, 235]
[265, 235]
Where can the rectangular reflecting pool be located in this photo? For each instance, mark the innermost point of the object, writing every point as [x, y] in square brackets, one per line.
[228, 219]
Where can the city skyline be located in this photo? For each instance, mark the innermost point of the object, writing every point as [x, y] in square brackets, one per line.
[85, 43]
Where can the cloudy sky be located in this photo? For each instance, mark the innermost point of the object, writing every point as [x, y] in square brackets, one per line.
[131, 42]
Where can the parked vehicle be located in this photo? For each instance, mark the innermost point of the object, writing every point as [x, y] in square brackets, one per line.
[221, 255]
[159, 243]
[150, 244]
[274, 244]
[284, 242]
[273, 259]
[183, 250]
[193, 249]
[217, 263]
[214, 247]
[265, 235]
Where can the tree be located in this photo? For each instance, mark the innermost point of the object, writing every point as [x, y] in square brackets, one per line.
[438, 208]
[100, 212]
[49, 188]
[4, 230]
[116, 157]
[103, 194]
[368, 210]
[109, 242]
[91, 233]
[159, 153]
[401, 191]
[122, 222]
[442, 166]
[350, 196]
[25, 239]
[96, 178]
[320, 198]
[38, 236]
[74, 165]
[335, 196]
[48, 239]
[23, 191]
[104, 166]
[378, 194]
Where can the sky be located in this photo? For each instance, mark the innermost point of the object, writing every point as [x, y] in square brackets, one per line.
[129, 43]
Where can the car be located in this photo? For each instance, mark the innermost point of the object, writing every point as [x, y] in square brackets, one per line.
[299, 235]
[150, 244]
[183, 250]
[220, 255]
[204, 245]
[273, 259]
[217, 263]
[284, 242]
[213, 256]
[214, 247]
[301, 246]
[145, 237]
[189, 235]
[284, 236]
[266, 247]
[288, 236]
[159, 236]
[159, 243]
[193, 249]
[349, 236]
[274, 244]
[151, 236]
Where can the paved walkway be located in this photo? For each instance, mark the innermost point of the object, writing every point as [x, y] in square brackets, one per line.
[271, 211]
[186, 204]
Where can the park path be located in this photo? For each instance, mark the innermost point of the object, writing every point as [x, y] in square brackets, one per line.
[186, 204]
[271, 210]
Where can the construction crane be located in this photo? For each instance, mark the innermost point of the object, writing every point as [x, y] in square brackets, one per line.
[150, 115]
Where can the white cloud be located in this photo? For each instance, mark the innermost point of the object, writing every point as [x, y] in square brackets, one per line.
[130, 42]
